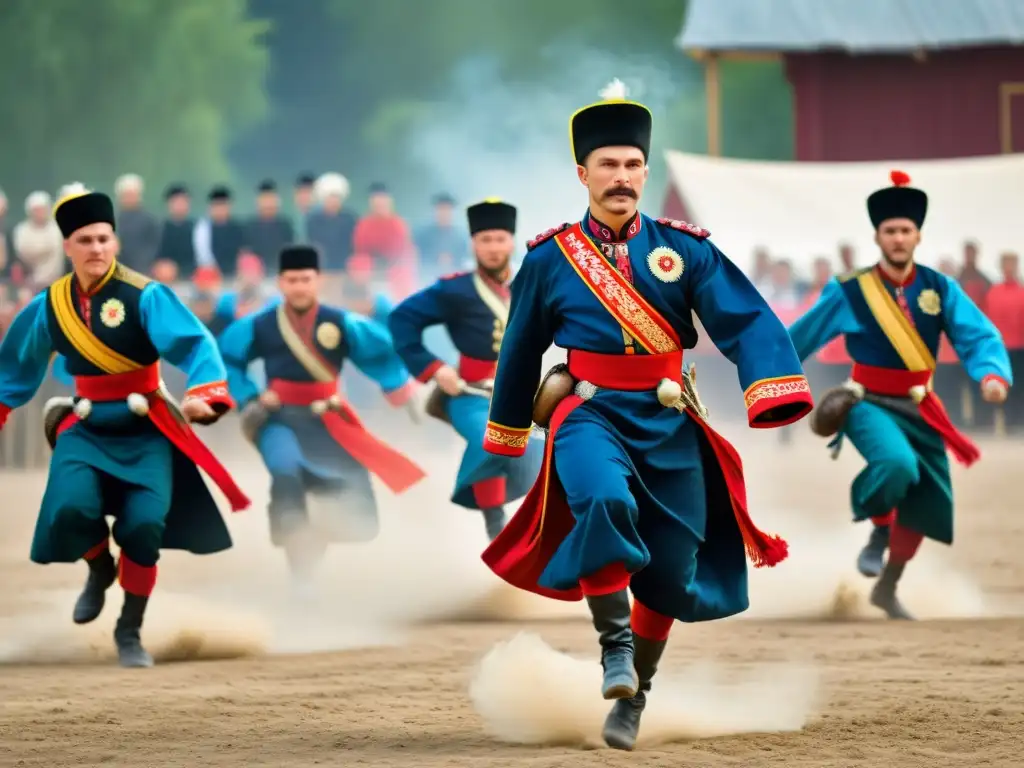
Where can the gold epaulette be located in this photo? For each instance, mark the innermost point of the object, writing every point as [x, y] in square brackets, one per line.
[130, 276]
[854, 274]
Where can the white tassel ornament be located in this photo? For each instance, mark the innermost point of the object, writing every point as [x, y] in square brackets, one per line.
[83, 408]
[319, 407]
[138, 404]
[669, 392]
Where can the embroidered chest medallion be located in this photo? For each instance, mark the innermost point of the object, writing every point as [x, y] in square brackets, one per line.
[929, 302]
[665, 264]
[328, 335]
[112, 313]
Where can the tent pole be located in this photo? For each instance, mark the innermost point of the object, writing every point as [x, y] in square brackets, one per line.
[713, 103]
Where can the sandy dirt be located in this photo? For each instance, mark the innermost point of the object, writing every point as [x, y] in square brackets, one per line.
[412, 655]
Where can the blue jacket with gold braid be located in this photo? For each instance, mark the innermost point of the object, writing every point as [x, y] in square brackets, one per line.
[627, 481]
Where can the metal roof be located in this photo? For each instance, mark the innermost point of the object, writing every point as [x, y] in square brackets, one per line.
[857, 26]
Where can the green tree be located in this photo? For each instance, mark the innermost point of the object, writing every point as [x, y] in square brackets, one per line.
[89, 90]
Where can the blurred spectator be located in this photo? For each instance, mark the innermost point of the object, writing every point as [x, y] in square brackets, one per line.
[202, 299]
[384, 235]
[269, 230]
[176, 235]
[137, 228]
[947, 267]
[71, 188]
[847, 259]
[219, 238]
[442, 247]
[330, 226]
[248, 296]
[38, 243]
[974, 283]
[303, 197]
[1004, 305]
[761, 271]
[782, 293]
[359, 292]
[165, 271]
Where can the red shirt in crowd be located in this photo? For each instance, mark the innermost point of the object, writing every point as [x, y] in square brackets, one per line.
[1004, 305]
[388, 241]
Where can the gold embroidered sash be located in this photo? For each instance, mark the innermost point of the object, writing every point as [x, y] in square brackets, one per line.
[631, 310]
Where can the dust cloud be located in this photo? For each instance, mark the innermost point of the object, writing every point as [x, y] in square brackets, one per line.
[528, 693]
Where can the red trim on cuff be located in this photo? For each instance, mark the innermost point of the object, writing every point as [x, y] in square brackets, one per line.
[985, 380]
[402, 395]
[215, 393]
[5, 410]
[428, 373]
[505, 441]
[762, 397]
[99, 549]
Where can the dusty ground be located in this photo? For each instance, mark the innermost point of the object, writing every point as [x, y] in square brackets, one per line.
[383, 668]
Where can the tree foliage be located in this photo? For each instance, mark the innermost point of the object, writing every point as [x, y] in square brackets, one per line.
[89, 90]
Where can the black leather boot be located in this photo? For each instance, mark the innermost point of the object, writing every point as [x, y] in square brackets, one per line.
[611, 620]
[623, 723]
[102, 573]
[127, 633]
[871, 558]
[883, 594]
[494, 521]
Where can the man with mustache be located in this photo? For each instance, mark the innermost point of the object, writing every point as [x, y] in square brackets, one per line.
[473, 309]
[893, 316]
[636, 493]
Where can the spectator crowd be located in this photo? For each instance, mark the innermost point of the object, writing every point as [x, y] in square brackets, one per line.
[212, 253]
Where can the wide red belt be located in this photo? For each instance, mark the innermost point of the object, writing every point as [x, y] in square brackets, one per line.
[626, 372]
[895, 382]
[117, 386]
[395, 470]
[473, 370]
[146, 381]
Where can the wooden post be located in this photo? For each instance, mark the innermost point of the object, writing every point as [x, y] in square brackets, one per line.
[713, 101]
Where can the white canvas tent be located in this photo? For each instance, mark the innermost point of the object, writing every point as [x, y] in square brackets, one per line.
[803, 210]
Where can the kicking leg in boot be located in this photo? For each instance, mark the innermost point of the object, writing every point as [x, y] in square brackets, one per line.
[494, 521]
[902, 549]
[137, 581]
[102, 574]
[608, 599]
[871, 558]
[650, 634]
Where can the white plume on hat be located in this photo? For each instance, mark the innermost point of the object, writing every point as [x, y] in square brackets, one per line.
[74, 188]
[615, 90]
[331, 184]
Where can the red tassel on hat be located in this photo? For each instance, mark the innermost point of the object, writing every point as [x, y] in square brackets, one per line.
[899, 178]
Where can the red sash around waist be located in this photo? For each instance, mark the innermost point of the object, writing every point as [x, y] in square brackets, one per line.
[394, 469]
[117, 386]
[896, 382]
[629, 373]
[146, 381]
[473, 370]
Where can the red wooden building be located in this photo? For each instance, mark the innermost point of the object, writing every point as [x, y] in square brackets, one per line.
[877, 79]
